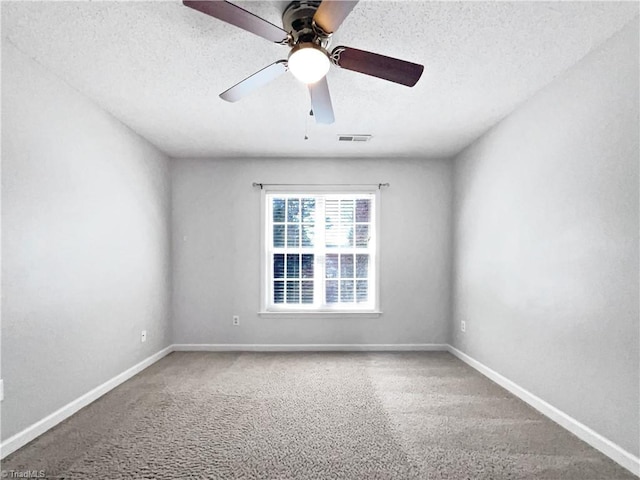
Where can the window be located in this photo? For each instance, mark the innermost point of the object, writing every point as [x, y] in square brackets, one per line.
[320, 252]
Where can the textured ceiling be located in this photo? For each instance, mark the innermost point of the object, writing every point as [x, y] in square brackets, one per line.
[159, 67]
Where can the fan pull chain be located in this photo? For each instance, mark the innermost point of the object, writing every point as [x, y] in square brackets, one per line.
[306, 125]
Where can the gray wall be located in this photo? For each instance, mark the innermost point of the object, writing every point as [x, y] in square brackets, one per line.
[85, 244]
[217, 266]
[546, 244]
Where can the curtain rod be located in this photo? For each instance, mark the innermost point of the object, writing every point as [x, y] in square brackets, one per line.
[262, 185]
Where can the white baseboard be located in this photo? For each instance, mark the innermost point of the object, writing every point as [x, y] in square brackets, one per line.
[330, 347]
[586, 434]
[20, 439]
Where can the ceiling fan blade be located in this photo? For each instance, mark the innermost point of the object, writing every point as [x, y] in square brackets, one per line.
[331, 14]
[230, 13]
[255, 81]
[321, 101]
[387, 68]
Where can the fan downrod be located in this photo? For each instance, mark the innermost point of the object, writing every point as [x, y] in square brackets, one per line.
[297, 19]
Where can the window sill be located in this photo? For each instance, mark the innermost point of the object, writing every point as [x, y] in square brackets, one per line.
[309, 314]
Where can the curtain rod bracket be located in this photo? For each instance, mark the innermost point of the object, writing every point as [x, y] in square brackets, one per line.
[256, 184]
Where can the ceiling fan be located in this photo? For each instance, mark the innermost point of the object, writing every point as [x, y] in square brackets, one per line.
[308, 26]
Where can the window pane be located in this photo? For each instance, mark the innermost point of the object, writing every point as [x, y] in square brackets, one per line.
[346, 211]
[332, 235]
[278, 292]
[362, 235]
[347, 236]
[278, 265]
[308, 233]
[308, 210]
[363, 206]
[278, 209]
[293, 292]
[331, 208]
[293, 236]
[331, 266]
[332, 291]
[362, 291]
[278, 236]
[293, 265]
[332, 223]
[362, 266]
[307, 292]
[307, 266]
[346, 266]
[293, 210]
[339, 236]
[346, 290]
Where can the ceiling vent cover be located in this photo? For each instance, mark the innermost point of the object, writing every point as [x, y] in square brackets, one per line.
[353, 138]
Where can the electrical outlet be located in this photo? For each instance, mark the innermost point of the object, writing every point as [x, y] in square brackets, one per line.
[236, 320]
[143, 337]
[463, 326]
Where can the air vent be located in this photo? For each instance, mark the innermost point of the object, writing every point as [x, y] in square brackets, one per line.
[354, 138]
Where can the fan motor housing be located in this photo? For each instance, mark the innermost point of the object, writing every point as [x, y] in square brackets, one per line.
[297, 19]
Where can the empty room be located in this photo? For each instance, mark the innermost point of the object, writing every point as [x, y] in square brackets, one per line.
[355, 240]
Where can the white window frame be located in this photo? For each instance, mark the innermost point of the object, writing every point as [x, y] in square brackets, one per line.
[300, 310]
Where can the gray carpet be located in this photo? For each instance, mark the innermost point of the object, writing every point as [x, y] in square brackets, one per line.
[311, 416]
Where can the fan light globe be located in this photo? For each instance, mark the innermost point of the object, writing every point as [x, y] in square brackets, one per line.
[308, 62]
